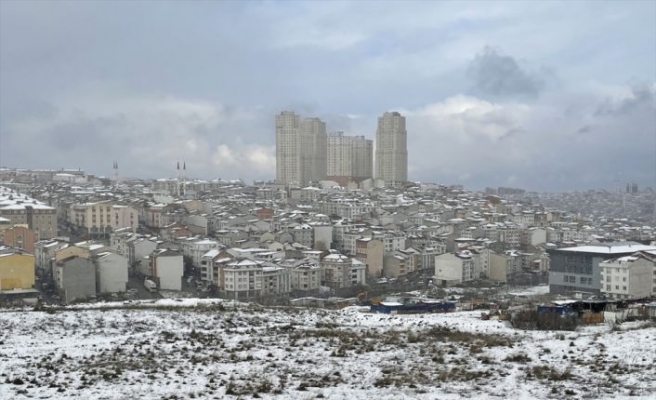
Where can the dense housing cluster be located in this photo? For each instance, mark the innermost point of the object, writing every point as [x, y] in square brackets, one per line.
[77, 236]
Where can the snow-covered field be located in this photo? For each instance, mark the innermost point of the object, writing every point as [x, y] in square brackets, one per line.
[204, 350]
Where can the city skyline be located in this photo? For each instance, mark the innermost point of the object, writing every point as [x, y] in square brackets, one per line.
[306, 154]
[501, 96]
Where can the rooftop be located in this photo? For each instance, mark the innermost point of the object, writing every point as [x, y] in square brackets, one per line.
[610, 248]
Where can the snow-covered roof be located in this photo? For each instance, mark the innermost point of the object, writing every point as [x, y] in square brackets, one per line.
[611, 248]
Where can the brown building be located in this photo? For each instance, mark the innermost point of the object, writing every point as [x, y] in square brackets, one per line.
[370, 252]
[20, 237]
[265, 214]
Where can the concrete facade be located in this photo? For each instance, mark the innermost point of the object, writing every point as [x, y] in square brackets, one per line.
[124, 217]
[300, 149]
[452, 269]
[16, 271]
[370, 252]
[576, 269]
[167, 267]
[350, 158]
[21, 238]
[75, 277]
[305, 275]
[392, 149]
[19, 209]
[627, 277]
[112, 272]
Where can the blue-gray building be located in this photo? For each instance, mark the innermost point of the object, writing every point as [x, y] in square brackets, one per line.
[576, 269]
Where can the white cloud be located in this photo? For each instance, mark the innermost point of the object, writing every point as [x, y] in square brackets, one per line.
[148, 135]
[469, 118]
[246, 158]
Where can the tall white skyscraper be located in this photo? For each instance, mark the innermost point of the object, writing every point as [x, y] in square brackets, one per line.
[392, 149]
[300, 149]
[313, 154]
[350, 158]
[287, 148]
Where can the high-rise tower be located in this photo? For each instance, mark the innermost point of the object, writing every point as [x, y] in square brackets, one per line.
[350, 158]
[300, 149]
[314, 145]
[287, 148]
[392, 149]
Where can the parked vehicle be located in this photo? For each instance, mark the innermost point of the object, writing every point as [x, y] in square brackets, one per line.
[150, 285]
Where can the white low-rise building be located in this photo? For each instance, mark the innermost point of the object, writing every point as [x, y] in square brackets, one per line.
[195, 249]
[111, 272]
[340, 271]
[305, 275]
[167, 268]
[276, 280]
[627, 277]
[452, 269]
[243, 279]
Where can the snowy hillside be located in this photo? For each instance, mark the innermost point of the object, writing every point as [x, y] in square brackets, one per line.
[194, 349]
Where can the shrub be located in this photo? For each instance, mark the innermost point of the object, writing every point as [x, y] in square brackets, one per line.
[518, 357]
[545, 321]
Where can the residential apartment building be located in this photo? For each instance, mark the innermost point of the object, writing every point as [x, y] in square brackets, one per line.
[111, 272]
[166, 269]
[370, 252]
[452, 269]
[576, 269]
[392, 149]
[75, 278]
[301, 149]
[92, 218]
[16, 271]
[19, 209]
[74, 264]
[44, 254]
[124, 217]
[628, 277]
[276, 280]
[345, 207]
[314, 163]
[350, 158]
[243, 279]
[20, 238]
[340, 271]
[197, 248]
[305, 275]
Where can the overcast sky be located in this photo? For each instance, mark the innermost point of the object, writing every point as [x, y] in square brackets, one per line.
[540, 95]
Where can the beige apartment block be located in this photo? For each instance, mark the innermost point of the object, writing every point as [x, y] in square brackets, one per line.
[392, 149]
[18, 209]
[300, 149]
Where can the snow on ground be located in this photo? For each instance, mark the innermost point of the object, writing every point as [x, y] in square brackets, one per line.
[532, 291]
[191, 348]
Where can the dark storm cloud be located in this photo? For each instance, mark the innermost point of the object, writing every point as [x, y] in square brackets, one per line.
[584, 129]
[641, 97]
[148, 83]
[500, 75]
